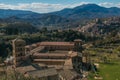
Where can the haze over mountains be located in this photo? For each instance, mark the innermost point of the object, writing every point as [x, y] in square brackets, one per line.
[59, 18]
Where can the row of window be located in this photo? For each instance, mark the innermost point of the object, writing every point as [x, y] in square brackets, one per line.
[20, 45]
[20, 54]
[20, 49]
[47, 57]
[78, 67]
[60, 48]
[76, 60]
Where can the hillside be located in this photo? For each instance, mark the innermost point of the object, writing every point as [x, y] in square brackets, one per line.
[5, 13]
[72, 17]
[88, 11]
[16, 28]
[102, 27]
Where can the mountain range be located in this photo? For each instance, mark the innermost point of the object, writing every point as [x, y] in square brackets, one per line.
[88, 11]
[61, 18]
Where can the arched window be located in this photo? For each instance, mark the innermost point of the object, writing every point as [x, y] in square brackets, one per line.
[21, 54]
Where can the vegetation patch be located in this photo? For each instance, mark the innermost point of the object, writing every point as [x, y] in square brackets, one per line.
[109, 71]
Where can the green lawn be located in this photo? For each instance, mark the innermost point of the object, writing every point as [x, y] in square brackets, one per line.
[109, 71]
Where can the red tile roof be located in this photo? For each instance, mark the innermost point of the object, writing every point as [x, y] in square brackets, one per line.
[49, 54]
[57, 43]
[50, 60]
[70, 54]
[43, 73]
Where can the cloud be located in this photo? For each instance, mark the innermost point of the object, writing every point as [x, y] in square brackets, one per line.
[39, 7]
[109, 4]
[18, 6]
[46, 7]
[76, 4]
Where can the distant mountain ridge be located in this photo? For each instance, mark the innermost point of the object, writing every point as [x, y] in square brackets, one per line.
[88, 11]
[5, 13]
[62, 18]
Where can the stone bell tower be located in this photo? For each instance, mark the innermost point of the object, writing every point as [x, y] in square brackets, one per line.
[18, 51]
[78, 45]
[77, 61]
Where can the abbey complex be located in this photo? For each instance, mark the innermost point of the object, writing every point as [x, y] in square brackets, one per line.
[50, 60]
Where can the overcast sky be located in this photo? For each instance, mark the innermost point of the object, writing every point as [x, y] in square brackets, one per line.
[44, 6]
